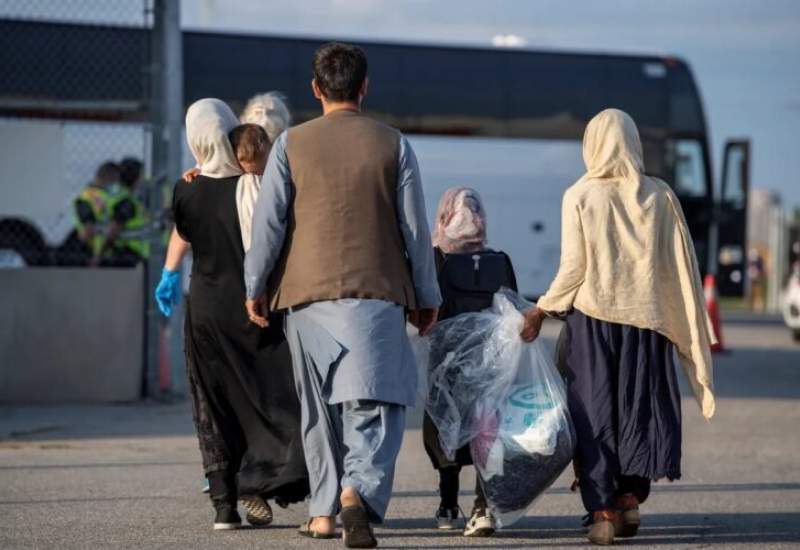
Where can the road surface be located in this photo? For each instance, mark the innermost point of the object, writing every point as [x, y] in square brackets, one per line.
[129, 476]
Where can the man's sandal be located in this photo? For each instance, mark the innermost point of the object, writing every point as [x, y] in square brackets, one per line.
[305, 530]
[356, 530]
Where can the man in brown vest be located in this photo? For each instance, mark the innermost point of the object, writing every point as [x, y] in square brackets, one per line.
[340, 239]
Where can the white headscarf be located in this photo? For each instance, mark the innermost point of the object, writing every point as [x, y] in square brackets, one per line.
[269, 111]
[208, 122]
[460, 222]
[626, 253]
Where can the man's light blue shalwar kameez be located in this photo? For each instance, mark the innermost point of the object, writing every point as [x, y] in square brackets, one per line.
[354, 369]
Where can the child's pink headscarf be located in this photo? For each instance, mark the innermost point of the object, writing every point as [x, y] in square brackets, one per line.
[460, 222]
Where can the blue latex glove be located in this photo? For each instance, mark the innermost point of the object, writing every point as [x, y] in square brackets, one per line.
[168, 291]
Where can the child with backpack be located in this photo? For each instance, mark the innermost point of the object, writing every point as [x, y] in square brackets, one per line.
[469, 275]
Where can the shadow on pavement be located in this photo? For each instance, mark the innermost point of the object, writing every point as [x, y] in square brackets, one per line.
[657, 530]
[657, 488]
[754, 373]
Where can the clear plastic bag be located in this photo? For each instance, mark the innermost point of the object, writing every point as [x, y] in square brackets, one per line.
[504, 397]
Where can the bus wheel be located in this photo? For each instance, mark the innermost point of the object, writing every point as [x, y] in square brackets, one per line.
[23, 241]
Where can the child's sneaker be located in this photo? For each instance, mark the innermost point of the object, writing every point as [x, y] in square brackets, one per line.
[447, 518]
[480, 524]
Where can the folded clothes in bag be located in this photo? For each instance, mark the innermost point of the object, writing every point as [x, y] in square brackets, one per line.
[504, 397]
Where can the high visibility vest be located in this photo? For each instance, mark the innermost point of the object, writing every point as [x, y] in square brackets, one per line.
[132, 235]
[97, 199]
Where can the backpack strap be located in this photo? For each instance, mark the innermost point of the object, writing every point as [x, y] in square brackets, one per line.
[511, 275]
[439, 258]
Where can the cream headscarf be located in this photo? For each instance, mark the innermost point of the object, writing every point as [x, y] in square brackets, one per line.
[626, 253]
[460, 222]
[269, 111]
[208, 122]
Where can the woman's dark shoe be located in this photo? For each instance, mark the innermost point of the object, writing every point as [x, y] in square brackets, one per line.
[305, 530]
[628, 505]
[605, 526]
[227, 517]
[356, 530]
[259, 513]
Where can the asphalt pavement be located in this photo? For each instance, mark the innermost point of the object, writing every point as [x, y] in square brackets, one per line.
[129, 476]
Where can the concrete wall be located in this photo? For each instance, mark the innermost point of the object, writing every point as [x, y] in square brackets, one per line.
[70, 335]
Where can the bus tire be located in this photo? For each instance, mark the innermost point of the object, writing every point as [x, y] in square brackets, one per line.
[24, 239]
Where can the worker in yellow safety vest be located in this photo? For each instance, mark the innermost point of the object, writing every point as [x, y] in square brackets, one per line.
[91, 211]
[126, 240]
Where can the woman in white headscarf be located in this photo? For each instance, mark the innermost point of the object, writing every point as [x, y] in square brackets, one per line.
[270, 112]
[629, 285]
[245, 407]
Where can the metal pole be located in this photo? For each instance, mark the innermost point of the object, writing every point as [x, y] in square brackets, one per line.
[166, 108]
[777, 256]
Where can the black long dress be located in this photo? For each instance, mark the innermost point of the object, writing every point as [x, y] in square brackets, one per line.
[240, 377]
[625, 404]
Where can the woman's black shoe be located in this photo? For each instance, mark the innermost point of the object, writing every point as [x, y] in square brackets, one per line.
[227, 517]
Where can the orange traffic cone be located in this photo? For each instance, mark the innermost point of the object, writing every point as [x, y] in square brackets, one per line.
[712, 305]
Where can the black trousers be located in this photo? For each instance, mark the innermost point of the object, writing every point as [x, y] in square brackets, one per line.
[449, 484]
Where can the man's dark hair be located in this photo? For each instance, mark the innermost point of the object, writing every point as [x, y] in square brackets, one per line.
[340, 70]
[108, 172]
[130, 169]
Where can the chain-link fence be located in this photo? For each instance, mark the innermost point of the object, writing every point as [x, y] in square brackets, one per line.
[74, 121]
[82, 95]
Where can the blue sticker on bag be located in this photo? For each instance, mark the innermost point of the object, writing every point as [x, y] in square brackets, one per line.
[530, 396]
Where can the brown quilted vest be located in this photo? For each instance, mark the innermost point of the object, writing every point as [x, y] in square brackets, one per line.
[343, 238]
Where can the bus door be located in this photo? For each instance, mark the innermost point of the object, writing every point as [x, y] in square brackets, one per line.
[687, 168]
[732, 218]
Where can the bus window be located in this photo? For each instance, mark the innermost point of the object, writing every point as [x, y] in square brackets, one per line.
[689, 178]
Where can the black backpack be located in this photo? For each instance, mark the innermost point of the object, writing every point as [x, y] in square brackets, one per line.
[469, 281]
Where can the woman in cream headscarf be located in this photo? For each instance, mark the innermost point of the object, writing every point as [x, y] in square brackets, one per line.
[245, 407]
[629, 285]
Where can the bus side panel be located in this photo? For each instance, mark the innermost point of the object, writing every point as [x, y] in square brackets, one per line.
[31, 168]
[521, 183]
